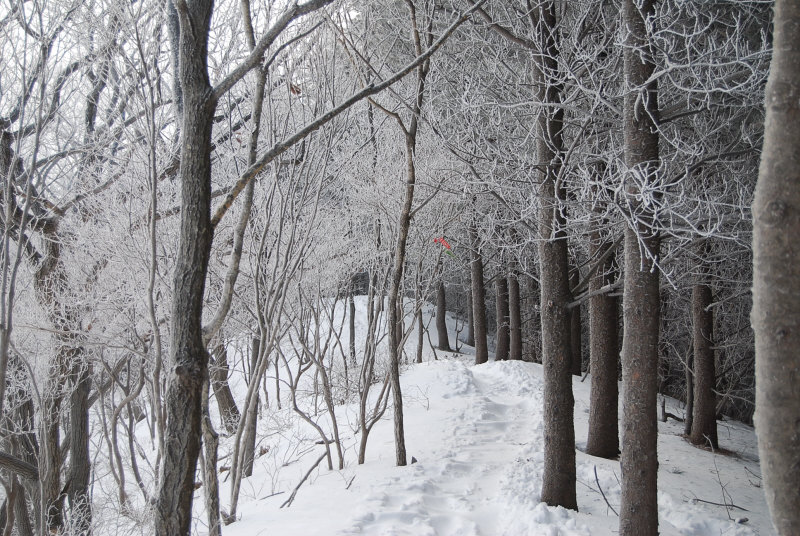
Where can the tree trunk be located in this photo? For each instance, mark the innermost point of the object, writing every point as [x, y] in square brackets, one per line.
[79, 461]
[514, 318]
[400, 248]
[558, 485]
[687, 426]
[21, 519]
[249, 440]
[478, 323]
[534, 301]
[576, 342]
[50, 465]
[470, 318]
[229, 413]
[210, 481]
[400, 327]
[441, 318]
[641, 301]
[188, 356]
[395, 305]
[501, 305]
[603, 439]
[351, 324]
[704, 422]
[776, 278]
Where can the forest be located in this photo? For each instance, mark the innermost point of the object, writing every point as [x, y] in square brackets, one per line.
[222, 217]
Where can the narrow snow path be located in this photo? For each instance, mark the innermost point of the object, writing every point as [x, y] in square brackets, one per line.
[464, 471]
[476, 435]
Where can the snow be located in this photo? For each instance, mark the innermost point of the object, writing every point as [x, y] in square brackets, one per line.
[476, 435]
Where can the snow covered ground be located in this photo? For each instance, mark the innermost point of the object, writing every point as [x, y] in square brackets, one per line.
[476, 435]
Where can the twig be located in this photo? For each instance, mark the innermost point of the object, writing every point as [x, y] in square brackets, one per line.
[588, 369]
[602, 493]
[350, 483]
[752, 473]
[721, 485]
[726, 505]
[289, 501]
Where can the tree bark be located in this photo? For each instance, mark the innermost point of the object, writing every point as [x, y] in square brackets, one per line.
[229, 413]
[514, 318]
[395, 305]
[687, 427]
[558, 485]
[470, 318]
[188, 355]
[404, 224]
[351, 325]
[641, 301]
[704, 421]
[79, 461]
[603, 439]
[576, 341]
[478, 323]
[441, 318]
[501, 306]
[210, 481]
[249, 440]
[776, 278]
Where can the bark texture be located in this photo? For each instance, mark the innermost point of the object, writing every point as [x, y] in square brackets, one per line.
[249, 435]
[478, 301]
[394, 302]
[558, 481]
[776, 278]
[514, 318]
[188, 356]
[229, 412]
[641, 305]
[603, 439]
[576, 340]
[704, 421]
[441, 318]
[501, 306]
[470, 319]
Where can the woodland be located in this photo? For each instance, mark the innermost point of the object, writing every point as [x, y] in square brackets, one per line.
[196, 194]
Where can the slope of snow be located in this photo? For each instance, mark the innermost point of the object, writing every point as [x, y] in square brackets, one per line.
[476, 435]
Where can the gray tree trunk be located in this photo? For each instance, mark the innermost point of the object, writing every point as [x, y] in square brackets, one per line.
[188, 356]
[687, 426]
[441, 318]
[558, 481]
[79, 461]
[603, 439]
[404, 224]
[501, 305]
[351, 324]
[210, 480]
[249, 439]
[229, 413]
[776, 278]
[470, 318]
[514, 318]
[641, 305]
[478, 323]
[704, 421]
[576, 341]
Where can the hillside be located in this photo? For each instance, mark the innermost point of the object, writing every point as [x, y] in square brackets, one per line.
[476, 435]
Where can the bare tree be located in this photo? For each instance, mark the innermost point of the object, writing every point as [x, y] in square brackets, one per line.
[478, 302]
[704, 419]
[775, 277]
[641, 307]
[441, 317]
